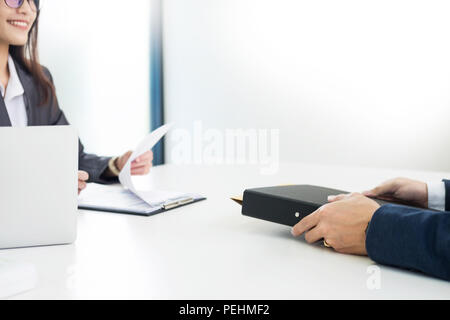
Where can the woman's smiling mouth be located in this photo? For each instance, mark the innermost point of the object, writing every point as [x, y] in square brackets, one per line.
[19, 24]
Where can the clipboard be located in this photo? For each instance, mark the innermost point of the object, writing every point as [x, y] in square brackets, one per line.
[116, 199]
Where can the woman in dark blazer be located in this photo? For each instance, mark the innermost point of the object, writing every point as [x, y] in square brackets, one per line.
[28, 94]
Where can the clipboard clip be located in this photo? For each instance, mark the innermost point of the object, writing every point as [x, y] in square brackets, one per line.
[177, 203]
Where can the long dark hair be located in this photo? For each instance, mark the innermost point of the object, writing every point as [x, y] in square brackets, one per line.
[27, 56]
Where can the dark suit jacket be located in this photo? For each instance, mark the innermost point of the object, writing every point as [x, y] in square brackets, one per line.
[51, 115]
[447, 194]
[411, 238]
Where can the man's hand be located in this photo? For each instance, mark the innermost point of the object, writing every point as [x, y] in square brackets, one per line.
[83, 176]
[401, 190]
[140, 166]
[341, 223]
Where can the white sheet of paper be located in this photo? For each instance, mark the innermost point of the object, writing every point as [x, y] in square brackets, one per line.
[146, 144]
[115, 197]
[155, 197]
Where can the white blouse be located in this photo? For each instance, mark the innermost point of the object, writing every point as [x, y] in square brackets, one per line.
[14, 97]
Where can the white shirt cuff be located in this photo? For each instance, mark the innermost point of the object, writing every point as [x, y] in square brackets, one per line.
[436, 196]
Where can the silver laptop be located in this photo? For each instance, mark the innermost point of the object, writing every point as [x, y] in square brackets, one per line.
[38, 186]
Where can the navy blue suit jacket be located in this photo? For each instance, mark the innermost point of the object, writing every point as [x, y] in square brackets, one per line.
[412, 238]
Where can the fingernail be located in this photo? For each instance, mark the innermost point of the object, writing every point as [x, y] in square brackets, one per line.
[293, 232]
[331, 198]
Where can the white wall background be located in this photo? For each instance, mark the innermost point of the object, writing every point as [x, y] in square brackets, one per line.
[348, 82]
[98, 53]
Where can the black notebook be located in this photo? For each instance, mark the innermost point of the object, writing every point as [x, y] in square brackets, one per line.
[286, 205]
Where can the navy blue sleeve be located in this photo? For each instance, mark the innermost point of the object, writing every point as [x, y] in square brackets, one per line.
[447, 194]
[411, 238]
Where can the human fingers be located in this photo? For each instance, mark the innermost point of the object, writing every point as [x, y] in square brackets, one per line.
[83, 176]
[314, 235]
[334, 198]
[145, 157]
[81, 184]
[306, 223]
[141, 171]
[141, 165]
[386, 188]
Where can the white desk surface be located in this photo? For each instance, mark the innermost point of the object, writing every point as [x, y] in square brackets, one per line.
[208, 250]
